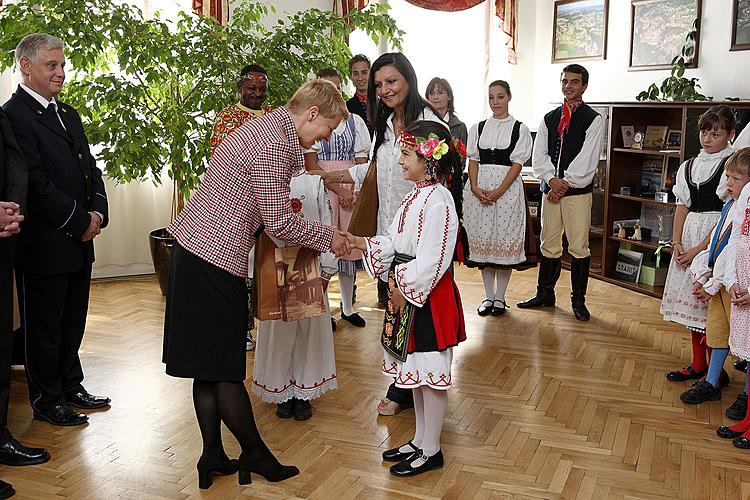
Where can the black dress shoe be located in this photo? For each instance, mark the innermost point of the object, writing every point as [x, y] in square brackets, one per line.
[538, 301]
[678, 376]
[61, 414]
[741, 442]
[498, 307]
[738, 409]
[405, 468]
[14, 453]
[727, 433]
[741, 365]
[208, 466]
[355, 319]
[285, 409]
[701, 392]
[82, 399]
[485, 307]
[394, 455]
[302, 409]
[6, 490]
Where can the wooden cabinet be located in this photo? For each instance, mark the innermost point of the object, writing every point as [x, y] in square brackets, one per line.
[624, 169]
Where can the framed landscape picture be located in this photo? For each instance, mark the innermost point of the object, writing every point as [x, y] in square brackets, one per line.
[740, 25]
[658, 30]
[579, 30]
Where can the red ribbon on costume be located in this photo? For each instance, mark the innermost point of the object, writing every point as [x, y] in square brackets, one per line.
[362, 98]
[568, 108]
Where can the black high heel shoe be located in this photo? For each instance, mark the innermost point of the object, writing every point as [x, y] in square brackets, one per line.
[207, 467]
[268, 467]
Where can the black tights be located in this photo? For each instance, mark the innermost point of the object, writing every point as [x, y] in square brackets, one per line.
[227, 402]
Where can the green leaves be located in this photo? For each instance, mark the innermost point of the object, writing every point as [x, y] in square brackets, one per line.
[148, 89]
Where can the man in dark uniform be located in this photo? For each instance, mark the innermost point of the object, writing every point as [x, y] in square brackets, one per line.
[359, 72]
[67, 208]
[13, 182]
[566, 154]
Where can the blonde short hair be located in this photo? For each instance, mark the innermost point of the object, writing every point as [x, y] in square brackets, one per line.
[739, 162]
[320, 93]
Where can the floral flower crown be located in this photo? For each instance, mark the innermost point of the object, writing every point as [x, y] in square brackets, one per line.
[260, 78]
[432, 147]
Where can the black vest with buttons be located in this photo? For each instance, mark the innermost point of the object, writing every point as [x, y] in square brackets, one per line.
[580, 121]
[703, 196]
[498, 156]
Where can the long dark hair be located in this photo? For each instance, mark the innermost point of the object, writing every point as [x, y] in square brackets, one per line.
[377, 112]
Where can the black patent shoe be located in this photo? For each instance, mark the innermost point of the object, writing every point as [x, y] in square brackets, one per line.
[406, 469]
[741, 442]
[499, 307]
[6, 490]
[285, 409]
[538, 301]
[701, 392]
[485, 308]
[738, 409]
[15, 454]
[678, 376]
[355, 319]
[61, 414]
[394, 455]
[727, 433]
[268, 467]
[302, 409]
[85, 401]
[207, 467]
[741, 365]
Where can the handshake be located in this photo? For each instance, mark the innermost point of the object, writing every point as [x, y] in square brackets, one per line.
[344, 242]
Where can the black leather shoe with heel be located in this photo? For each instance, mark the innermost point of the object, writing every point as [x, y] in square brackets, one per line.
[207, 467]
[268, 467]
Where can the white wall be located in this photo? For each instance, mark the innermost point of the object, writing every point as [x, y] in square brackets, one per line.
[721, 73]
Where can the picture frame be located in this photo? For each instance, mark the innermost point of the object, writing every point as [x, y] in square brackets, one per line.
[638, 138]
[579, 30]
[625, 190]
[661, 196]
[656, 137]
[658, 30]
[740, 25]
[674, 139]
[628, 131]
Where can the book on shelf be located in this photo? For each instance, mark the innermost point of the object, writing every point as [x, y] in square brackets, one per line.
[628, 266]
[652, 175]
[671, 166]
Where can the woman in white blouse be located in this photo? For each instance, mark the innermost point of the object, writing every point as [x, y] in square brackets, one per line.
[494, 203]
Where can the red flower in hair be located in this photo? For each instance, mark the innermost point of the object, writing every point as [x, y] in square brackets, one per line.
[296, 205]
[459, 146]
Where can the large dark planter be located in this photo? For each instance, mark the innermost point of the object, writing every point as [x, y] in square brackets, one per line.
[161, 244]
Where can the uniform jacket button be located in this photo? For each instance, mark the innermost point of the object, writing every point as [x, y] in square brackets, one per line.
[80, 156]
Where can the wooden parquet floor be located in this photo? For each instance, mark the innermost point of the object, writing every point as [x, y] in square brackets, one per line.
[542, 406]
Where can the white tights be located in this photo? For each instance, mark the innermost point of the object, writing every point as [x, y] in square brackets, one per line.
[492, 276]
[429, 412]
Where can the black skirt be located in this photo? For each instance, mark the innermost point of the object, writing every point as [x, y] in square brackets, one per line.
[205, 324]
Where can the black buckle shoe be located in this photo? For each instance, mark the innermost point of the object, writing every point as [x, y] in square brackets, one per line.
[285, 409]
[82, 399]
[738, 409]
[701, 391]
[15, 454]
[406, 469]
[678, 376]
[499, 310]
[61, 414]
[302, 409]
[485, 307]
[394, 455]
[355, 319]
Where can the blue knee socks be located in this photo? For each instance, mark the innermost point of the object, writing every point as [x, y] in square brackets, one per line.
[716, 364]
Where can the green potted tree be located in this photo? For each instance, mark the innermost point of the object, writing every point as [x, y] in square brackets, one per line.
[148, 89]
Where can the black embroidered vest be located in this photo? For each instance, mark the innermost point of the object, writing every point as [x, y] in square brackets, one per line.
[572, 144]
[703, 197]
[498, 156]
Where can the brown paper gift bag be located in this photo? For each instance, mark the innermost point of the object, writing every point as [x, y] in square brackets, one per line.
[286, 282]
[364, 221]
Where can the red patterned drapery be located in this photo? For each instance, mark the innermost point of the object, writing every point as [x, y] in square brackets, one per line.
[218, 9]
[343, 7]
[505, 10]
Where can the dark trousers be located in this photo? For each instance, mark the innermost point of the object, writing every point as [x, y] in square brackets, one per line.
[6, 328]
[53, 316]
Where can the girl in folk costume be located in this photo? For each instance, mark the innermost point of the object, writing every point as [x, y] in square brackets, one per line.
[700, 187]
[495, 206]
[737, 281]
[424, 318]
[709, 269]
[349, 146]
[294, 360]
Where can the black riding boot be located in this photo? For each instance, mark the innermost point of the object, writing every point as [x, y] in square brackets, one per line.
[549, 272]
[579, 278]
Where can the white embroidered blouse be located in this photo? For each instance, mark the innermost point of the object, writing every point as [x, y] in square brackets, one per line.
[704, 166]
[496, 134]
[740, 228]
[425, 227]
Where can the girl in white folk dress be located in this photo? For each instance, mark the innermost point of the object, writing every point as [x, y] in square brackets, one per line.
[424, 318]
[700, 188]
[294, 360]
[494, 202]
